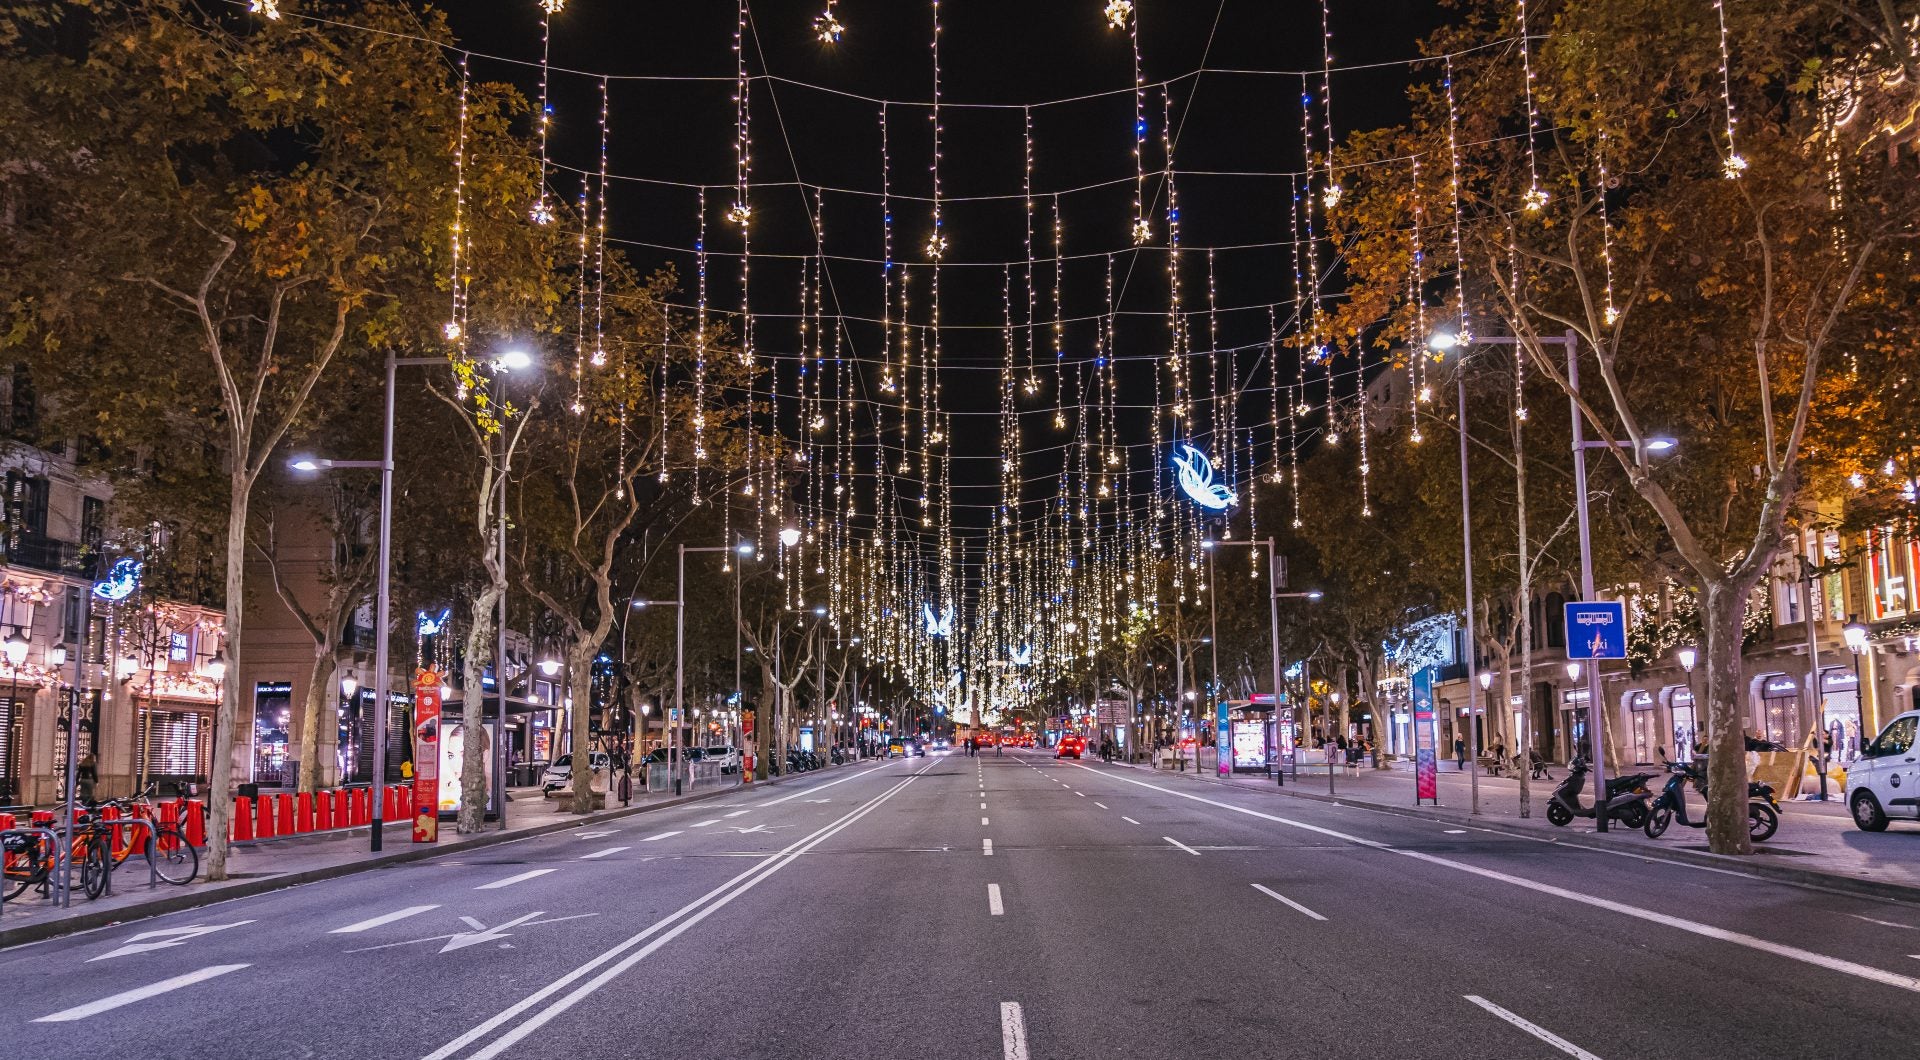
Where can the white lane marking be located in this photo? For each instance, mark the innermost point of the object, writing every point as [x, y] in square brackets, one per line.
[1284, 900]
[1129, 820]
[1102, 805]
[595, 835]
[738, 813]
[994, 905]
[818, 787]
[703, 824]
[610, 851]
[511, 880]
[986, 847]
[1082, 794]
[167, 939]
[128, 997]
[384, 918]
[983, 822]
[1883, 923]
[662, 835]
[688, 915]
[1534, 1029]
[983, 805]
[1819, 960]
[1454, 831]
[1013, 1031]
[1181, 845]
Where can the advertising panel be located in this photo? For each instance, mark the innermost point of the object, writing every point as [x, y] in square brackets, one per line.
[1426, 763]
[453, 759]
[426, 757]
[1250, 745]
[1222, 733]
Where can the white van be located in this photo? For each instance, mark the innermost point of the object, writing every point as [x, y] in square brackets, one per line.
[1884, 782]
[560, 774]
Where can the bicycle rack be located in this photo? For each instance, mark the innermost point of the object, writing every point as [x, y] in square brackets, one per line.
[58, 880]
[152, 851]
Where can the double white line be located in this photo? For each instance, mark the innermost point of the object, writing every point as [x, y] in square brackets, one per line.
[655, 936]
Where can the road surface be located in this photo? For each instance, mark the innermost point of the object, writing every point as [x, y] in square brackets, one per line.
[994, 908]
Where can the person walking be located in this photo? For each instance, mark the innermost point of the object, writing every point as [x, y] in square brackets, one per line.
[1460, 753]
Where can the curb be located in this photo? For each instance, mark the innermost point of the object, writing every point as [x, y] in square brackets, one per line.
[1752, 866]
[195, 897]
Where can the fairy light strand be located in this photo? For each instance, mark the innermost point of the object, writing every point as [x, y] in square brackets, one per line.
[455, 329]
[1536, 196]
[1733, 165]
[1331, 193]
[542, 212]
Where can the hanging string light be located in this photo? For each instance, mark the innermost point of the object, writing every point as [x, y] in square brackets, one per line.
[1462, 333]
[937, 239]
[700, 343]
[742, 146]
[599, 357]
[542, 212]
[1609, 313]
[1417, 295]
[1331, 194]
[583, 288]
[1733, 165]
[1120, 15]
[270, 9]
[1360, 428]
[1536, 196]
[888, 383]
[455, 329]
[826, 25]
[1059, 321]
[1032, 385]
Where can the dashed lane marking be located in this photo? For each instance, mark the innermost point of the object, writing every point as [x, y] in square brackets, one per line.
[1534, 1029]
[384, 918]
[128, 997]
[662, 835]
[986, 847]
[511, 880]
[1284, 900]
[603, 853]
[994, 906]
[1181, 845]
[1013, 1031]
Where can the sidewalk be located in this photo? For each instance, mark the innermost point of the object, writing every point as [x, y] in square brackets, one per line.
[268, 865]
[1817, 843]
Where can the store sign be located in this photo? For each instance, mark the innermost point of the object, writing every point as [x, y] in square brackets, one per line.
[1640, 700]
[1426, 764]
[1780, 687]
[426, 757]
[1839, 681]
[1596, 629]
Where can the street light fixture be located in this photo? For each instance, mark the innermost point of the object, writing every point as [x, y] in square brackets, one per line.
[513, 360]
[790, 536]
[349, 685]
[1573, 671]
[1688, 657]
[1486, 680]
[16, 648]
[57, 656]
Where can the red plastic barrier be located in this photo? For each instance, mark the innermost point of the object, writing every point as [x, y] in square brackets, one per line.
[263, 819]
[242, 819]
[167, 819]
[303, 812]
[283, 813]
[322, 810]
[389, 803]
[342, 808]
[6, 821]
[194, 824]
[41, 819]
[363, 807]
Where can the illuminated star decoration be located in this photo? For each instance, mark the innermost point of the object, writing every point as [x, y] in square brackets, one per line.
[940, 625]
[827, 27]
[552, 7]
[1118, 12]
[1196, 480]
[120, 581]
[269, 8]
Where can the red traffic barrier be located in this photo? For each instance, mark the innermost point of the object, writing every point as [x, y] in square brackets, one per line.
[389, 803]
[322, 810]
[342, 808]
[242, 819]
[165, 821]
[363, 806]
[194, 822]
[303, 812]
[283, 813]
[263, 818]
[41, 819]
[6, 821]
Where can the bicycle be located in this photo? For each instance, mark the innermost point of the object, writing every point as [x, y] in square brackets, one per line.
[173, 859]
[30, 861]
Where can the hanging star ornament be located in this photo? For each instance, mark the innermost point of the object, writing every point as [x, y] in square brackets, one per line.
[1119, 13]
[270, 9]
[827, 26]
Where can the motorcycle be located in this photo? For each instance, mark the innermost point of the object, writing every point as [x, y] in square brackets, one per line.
[1763, 819]
[1626, 798]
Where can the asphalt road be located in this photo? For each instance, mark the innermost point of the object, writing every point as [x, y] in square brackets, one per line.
[1119, 913]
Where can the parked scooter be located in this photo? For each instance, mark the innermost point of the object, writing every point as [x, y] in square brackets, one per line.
[1626, 799]
[1762, 818]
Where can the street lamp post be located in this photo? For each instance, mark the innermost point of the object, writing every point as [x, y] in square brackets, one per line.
[1866, 693]
[1688, 657]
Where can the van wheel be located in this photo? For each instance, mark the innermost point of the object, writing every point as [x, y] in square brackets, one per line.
[1867, 813]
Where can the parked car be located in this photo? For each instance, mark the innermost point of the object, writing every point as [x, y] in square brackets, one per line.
[1883, 784]
[560, 773]
[728, 757]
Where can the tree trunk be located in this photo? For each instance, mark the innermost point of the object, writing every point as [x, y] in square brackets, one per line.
[1724, 607]
[313, 716]
[580, 686]
[473, 776]
[227, 719]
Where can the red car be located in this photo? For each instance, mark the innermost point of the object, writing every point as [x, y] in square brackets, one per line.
[1070, 747]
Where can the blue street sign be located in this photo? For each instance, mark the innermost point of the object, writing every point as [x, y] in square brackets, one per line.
[1596, 630]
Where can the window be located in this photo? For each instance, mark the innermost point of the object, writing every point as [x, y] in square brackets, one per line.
[1896, 739]
[70, 614]
[26, 507]
[1889, 573]
[1556, 620]
[23, 411]
[93, 524]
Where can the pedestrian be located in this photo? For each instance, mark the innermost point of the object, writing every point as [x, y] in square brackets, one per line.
[1460, 753]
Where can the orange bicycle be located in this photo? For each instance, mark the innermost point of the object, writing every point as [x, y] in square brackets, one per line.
[173, 858]
[30, 860]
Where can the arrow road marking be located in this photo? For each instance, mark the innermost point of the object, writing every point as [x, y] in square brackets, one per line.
[386, 918]
[474, 938]
[169, 938]
[477, 927]
[757, 828]
[128, 997]
[511, 880]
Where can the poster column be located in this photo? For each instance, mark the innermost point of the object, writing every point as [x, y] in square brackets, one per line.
[426, 757]
[1222, 739]
[1426, 764]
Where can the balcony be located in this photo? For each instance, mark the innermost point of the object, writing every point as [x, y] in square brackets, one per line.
[46, 554]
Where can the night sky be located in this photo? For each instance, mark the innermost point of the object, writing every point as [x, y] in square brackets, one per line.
[816, 120]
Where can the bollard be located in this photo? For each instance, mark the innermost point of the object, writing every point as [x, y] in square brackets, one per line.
[303, 812]
[283, 813]
[363, 806]
[168, 819]
[342, 808]
[195, 825]
[263, 823]
[389, 803]
[323, 810]
[6, 822]
[242, 819]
